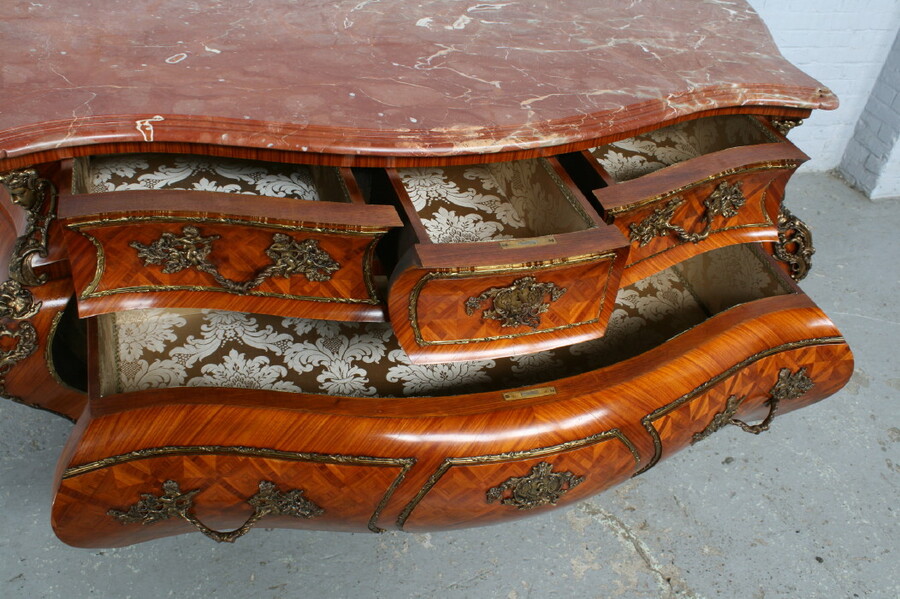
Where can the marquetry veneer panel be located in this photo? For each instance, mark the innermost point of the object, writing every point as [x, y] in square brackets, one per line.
[346, 492]
[705, 184]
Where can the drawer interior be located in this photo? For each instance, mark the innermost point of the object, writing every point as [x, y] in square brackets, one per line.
[489, 202]
[162, 348]
[190, 172]
[643, 154]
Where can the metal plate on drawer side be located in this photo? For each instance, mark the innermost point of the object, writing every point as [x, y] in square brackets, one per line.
[529, 393]
[512, 244]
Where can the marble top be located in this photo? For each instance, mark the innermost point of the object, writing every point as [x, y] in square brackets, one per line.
[378, 77]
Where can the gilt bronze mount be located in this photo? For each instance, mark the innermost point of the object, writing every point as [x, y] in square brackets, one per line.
[191, 250]
[725, 201]
[517, 305]
[174, 503]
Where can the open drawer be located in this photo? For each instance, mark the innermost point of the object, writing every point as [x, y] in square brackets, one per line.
[692, 186]
[190, 428]
[507, 258]
[160, 230]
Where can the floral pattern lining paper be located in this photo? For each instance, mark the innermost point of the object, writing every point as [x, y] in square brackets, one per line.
[489, 202]
[160, 348]
[200, 173]
[643, 154]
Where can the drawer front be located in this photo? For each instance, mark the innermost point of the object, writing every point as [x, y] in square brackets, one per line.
[442, 314]
[719, 210]
[751, 394]
[468, 491]
[222, 492]
[691, 187]
[226, 263]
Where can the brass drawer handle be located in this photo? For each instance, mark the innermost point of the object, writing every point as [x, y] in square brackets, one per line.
[517, 305]
[175, 504]
[540, 487]
[726, 200]
[789, 386]
[795, 244]
[190, 250]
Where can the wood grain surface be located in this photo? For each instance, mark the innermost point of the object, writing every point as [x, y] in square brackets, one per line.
[620, 416]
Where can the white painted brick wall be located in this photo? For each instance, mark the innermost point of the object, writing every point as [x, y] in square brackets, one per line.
[889, 183]
[872, 159]
[843, 44]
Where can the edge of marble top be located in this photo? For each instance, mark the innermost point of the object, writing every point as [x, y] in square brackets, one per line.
[752, 73]
[410, 143]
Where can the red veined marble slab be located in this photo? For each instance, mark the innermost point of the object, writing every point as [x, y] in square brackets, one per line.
[396, 78]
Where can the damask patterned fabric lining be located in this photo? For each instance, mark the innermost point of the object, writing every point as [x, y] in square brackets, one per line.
[208, 348]
[200, 173]
[489, 202]
[643, 154]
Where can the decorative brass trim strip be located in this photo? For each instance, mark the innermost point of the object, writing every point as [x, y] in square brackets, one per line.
[355, 230]
[795, 244]
[513, 456]
[529, 393]
[766, 166]
[191, 250]
[269, 500]
[538, 488]
[516, 305]
[368, 275]
[48, 353]
[99, 266]
[567, 193]
[336, 172]
[413, 311]
[403, 463]
[647, 421]
[726, 200]
[33, 193]
[26, 343]
[161, 288]
[765, 130]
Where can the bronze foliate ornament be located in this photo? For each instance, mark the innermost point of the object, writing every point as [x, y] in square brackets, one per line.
[785, 125]
[18, 337]
[191, 250]
[173, 503]
[517, 305]
[721, 419]
[38, 197]
[540, 487]
[25, 343]
[16, 301]
[790, 385]
[725, 201]
[795, 244]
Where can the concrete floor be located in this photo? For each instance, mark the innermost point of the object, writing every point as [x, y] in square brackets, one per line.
[808, 509]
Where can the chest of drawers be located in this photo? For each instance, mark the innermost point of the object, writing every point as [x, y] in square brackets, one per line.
[418, 284]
